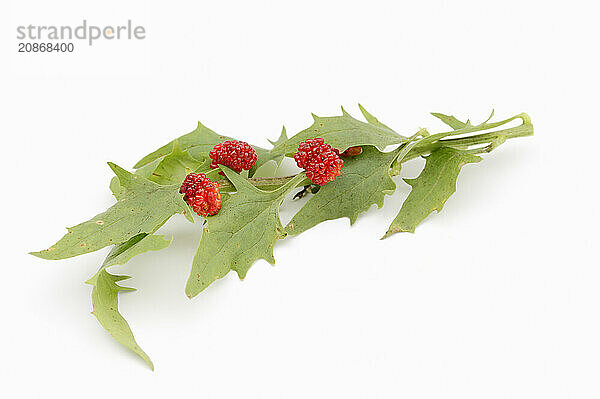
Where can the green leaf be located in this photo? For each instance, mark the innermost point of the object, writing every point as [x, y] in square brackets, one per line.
[144, 242]
[282, 138]
[117, 190]
[143, 206]
[431, 190]
[451, 121]
[175, 166]
[198, 143]
[105, 301]
[147, 170]
[364, 180]
[244, 231]
[341, 132]
[457, 124]
[168, 169]
[201, 138]
[106, 290]
[370, 118]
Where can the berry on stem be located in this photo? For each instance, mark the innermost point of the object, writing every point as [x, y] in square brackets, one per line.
[352, 151]
[321, 162]
[237, 155]
[202, 194]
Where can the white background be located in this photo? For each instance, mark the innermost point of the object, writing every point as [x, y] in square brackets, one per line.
[496, 297]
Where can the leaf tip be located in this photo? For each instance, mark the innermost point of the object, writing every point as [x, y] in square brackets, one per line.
[119, 171]
[490, 117]
[395, 230]
[270, 258]
[190, 290]
[43, 254]
[139, 164]
[282, 137]
[364, 112]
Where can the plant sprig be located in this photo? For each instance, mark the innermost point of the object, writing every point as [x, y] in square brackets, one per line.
[247, 226]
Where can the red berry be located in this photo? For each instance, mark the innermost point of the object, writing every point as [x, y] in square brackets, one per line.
[202, 194]
[237, 155]
[321, 162]
[352, 151]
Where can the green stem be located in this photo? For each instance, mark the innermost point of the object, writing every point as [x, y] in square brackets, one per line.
[426, 146]
[263, 182]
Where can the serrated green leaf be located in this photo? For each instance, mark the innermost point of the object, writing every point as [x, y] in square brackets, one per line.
[143, 206]
[244, 231]
[168, 169]
[341, 132]
[147, 170]
[144, 242]
[201, 138]
[431, 189]
[105, 291]
[175, 166]
[105, 302]
[364, 180]
[451, 121]
[198, 143]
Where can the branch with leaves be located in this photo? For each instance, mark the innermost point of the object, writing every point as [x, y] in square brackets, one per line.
[244, 224]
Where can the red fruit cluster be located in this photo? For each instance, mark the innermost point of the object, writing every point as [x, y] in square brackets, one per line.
[321, 162]
[237, 155]
[201, 193]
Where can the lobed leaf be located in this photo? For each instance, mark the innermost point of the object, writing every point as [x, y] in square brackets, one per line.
[199, 142]
[341, 132]
[168, 169]
[105, 302]
[175, 166]
[201, 138]
[244, 231]
[143, 206]
[431, 189]
[364, 180]
[105, 292]
[144, 242]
